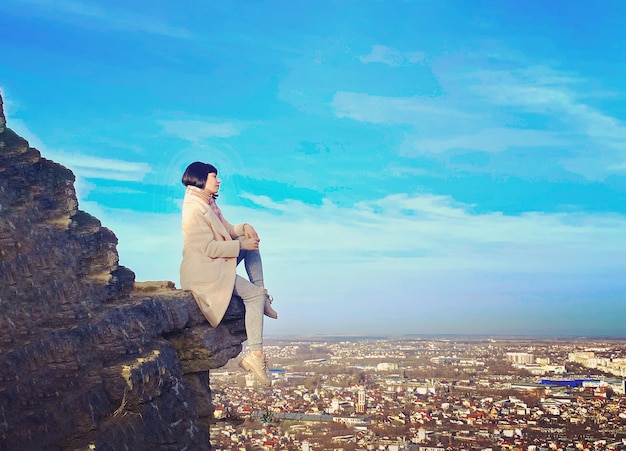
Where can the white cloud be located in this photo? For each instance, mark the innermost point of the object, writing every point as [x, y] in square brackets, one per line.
[392, 57]
[85, 166]
[393, 110]
[434, 231]
[91, 167]
[490, 140]
[554, 95]
[197, 130]
[481, 108]
[402, 171]
[618, 167]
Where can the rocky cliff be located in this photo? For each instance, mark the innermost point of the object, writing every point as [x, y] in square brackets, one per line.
[90, 359]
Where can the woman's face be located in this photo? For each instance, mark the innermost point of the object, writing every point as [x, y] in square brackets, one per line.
[212, 185]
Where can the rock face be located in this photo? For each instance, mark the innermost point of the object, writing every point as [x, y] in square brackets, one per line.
[89, 359]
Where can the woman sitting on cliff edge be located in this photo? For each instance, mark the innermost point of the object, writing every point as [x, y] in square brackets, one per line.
[212, 249]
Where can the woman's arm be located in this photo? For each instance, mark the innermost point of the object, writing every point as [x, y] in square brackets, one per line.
[244, 229]
[250, 232]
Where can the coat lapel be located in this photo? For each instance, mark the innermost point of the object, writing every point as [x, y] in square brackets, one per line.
[216, 223]
[212, 218]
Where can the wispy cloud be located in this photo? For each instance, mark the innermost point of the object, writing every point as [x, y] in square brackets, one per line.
[83, 166]
[391, 57]
[561, 98]
[199, 130]
[489, 140]
[392, 110]
[398, 170]
[104, 168]
[436, 232]
[94, 16]
[481, 105]
[415, 232]
[620, 167]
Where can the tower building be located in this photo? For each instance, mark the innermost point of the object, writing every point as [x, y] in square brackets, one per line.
[361, 403]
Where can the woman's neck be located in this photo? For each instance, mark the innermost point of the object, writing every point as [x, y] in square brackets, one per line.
[208, 197]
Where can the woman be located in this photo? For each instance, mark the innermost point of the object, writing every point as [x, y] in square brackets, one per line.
[212, 249]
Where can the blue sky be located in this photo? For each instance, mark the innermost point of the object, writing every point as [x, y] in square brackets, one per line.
[411, 166]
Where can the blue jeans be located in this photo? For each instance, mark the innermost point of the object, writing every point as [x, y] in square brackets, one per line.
[253, 296]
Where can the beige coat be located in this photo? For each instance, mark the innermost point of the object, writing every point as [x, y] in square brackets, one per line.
[210, 251]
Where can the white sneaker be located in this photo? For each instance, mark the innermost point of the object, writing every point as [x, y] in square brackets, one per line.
[258, 366]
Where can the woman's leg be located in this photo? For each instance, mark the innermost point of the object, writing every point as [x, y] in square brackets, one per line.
[254, 300]
[254, 269]
[254, 266]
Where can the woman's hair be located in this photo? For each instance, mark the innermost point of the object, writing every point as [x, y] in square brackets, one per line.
[197, 173]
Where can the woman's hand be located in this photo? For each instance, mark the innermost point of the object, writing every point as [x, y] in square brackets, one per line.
[249, 232]
[249, 244]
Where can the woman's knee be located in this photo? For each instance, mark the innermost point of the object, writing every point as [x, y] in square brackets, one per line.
[255, 296]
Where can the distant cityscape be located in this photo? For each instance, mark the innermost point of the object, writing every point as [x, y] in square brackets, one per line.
[426, 394]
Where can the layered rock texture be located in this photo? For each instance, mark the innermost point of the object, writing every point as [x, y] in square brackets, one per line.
[90, 359]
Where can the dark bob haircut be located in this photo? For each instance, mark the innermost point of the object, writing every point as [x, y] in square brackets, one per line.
[197, 173]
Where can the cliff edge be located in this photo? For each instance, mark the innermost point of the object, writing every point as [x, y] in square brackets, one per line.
[90, 359]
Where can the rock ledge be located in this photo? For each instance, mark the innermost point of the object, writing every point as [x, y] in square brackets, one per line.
[89, 358]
